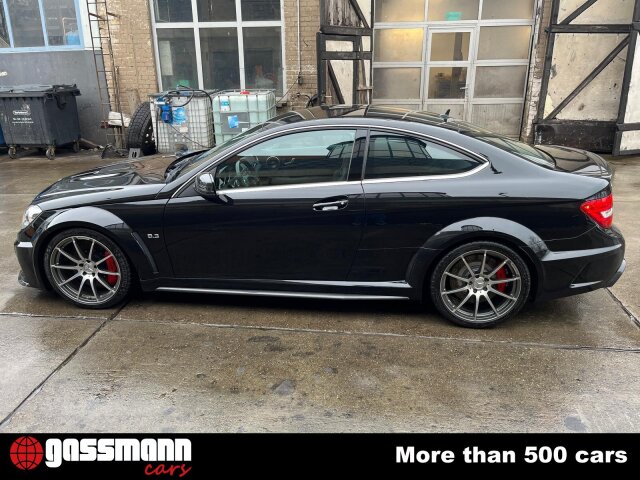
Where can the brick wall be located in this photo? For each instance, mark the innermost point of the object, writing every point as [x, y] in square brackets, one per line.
[133, 51]
[536, 68]
[309, 25]
[132, 42]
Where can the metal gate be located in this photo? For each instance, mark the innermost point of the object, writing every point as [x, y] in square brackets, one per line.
[587, 75]
[344, 52]
[627, 139]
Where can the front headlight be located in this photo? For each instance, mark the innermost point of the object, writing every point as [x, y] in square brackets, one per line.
[30, 215]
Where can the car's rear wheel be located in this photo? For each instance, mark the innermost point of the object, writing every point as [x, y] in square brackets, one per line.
[87, 269]
[480, 284]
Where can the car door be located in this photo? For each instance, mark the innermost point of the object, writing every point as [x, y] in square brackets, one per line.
[407, 185]
[286, 210]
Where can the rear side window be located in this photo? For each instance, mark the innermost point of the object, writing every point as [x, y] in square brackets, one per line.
[393, 156]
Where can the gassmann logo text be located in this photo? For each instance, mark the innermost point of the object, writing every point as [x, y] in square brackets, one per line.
[58, 450]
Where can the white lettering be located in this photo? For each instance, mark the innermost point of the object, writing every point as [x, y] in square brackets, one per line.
[405, 455]
[409, 455]
[116, 449]
[88, 450]
[105, 450]
[182, 450]
[127, 450]
[53, 450]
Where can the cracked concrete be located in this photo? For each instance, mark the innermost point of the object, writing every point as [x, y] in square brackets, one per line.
[166, 362]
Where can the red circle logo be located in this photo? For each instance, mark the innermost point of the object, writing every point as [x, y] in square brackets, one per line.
[26, 453]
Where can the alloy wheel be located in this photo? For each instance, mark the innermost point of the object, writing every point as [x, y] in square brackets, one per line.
[85, 270]
[480, 286]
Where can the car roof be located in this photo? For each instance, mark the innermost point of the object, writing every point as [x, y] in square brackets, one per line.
[432, 119]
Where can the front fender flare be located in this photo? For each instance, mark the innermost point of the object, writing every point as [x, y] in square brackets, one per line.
[509, 232]
[103, 221]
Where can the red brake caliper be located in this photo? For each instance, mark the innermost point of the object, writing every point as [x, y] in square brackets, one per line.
[111, 267]
[501, 275]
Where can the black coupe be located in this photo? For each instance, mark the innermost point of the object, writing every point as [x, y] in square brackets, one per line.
[336, 202]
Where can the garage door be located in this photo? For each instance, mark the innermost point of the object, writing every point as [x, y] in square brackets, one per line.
[467, 56]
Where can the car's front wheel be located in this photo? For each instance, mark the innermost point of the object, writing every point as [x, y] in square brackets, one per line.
[480, 284]
[87, 268]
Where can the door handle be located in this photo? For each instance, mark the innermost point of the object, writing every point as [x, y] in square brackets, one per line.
[330, 206]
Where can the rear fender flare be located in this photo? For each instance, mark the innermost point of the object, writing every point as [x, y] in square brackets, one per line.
[511, 233]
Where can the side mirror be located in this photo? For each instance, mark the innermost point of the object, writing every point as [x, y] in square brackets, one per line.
[205, 185]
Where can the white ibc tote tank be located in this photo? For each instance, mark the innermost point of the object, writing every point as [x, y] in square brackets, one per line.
[236, 111]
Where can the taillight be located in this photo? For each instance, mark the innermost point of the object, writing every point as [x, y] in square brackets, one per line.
[600, 210]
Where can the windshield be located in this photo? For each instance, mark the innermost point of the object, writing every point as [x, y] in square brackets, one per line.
[194, 162]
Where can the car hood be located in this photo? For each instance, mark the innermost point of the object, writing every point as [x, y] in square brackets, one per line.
[580, 162]
[109, 177]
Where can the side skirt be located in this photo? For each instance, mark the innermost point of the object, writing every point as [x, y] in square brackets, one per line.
[268, 293]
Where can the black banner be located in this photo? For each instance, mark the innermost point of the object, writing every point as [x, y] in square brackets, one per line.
[204, 455]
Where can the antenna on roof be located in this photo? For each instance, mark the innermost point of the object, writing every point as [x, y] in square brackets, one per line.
[445, 115]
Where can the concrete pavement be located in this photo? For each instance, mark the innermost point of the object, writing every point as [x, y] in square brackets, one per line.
[627, 198]
[167, 362]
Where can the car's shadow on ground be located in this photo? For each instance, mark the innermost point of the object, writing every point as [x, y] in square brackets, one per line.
[590, 320]
[585, 319]
[191, 300]
[183, 306]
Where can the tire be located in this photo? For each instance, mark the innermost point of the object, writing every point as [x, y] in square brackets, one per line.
[140, 131]
[477, 301]
[102, 281]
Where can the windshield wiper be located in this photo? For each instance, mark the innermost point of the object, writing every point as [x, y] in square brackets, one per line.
[175, 167]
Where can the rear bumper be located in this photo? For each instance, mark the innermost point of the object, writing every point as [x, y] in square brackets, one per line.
[579, 271]
[618, 274]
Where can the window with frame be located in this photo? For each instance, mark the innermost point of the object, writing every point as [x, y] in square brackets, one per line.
[39, 24]
[219, 44]
[316, 156]
[393, 156]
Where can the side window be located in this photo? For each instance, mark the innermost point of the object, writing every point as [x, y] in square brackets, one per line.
[392, 156]
[298, 158]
